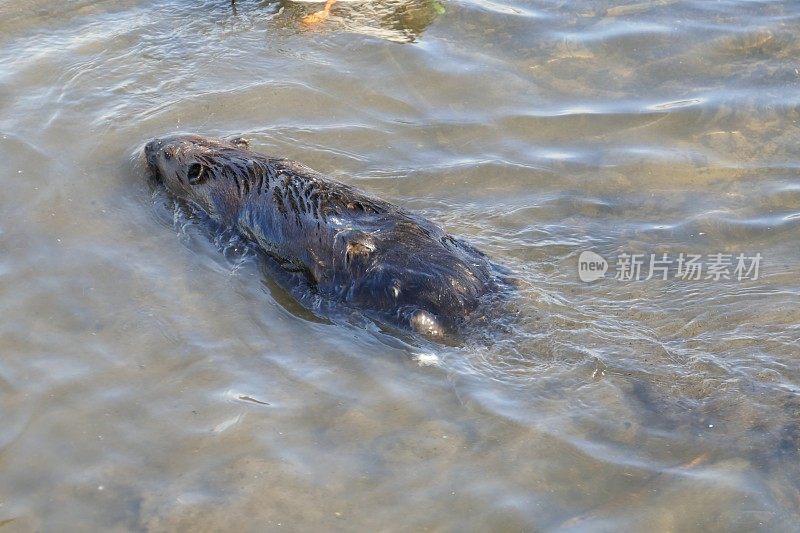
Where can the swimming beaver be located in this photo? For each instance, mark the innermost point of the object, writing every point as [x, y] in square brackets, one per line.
[395, 266]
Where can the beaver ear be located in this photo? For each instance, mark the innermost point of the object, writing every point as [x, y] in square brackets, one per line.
[240, 142]
[196, 174]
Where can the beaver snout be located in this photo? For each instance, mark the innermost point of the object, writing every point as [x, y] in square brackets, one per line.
[151, 150]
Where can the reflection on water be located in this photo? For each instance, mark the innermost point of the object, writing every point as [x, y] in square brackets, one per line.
[393, 20]
[152, 379]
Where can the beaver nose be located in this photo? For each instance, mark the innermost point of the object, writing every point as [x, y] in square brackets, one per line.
[151, 148]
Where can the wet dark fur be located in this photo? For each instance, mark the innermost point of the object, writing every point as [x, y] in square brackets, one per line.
[397, 267]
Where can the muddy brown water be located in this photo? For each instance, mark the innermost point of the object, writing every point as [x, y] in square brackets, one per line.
[150, 381]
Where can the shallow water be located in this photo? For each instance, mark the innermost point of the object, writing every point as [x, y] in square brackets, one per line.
[149, 381]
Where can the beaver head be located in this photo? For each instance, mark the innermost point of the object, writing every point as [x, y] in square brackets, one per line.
[200, 170]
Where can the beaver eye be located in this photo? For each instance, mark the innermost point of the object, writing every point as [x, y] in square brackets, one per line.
[168, 154]
[196, 174]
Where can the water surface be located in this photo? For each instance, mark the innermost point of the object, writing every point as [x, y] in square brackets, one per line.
[149, 381]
